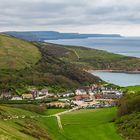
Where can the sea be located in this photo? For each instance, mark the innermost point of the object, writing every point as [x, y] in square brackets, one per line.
[128, 46]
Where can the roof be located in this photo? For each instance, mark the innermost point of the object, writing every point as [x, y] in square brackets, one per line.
[27, 95]
[78, 97]
[44, 90]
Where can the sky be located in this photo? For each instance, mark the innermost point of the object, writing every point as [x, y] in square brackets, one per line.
[83, 16]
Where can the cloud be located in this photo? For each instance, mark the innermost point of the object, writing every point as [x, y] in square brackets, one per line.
[64, 14]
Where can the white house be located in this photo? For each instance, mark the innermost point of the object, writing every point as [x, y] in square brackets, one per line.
[80, 92]
[16, 98]
[42, 94]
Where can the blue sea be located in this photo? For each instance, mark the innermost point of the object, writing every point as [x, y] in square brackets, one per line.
[129, 46]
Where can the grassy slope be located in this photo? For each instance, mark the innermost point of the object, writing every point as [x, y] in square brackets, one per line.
[132, 89]
[16, 53]
[95, 59]
[85, 125]
[78, 125]
[10, 129]
[128, 120]
[21, 129]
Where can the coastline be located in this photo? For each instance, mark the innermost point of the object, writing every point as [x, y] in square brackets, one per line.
[114, 71]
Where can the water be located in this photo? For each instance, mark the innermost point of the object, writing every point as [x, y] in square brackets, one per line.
[121, 79]
[129, 46]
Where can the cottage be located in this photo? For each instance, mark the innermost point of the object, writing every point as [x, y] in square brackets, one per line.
[44, 91]
[28, 96]
[80, 92]
[82, 97]
[34, 92]
[6, 95]
[16, 98]
[42, 94]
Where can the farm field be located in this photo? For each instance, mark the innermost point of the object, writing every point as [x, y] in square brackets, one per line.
[84, 124]
[94, 124]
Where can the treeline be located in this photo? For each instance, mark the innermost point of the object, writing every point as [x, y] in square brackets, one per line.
[128, 121]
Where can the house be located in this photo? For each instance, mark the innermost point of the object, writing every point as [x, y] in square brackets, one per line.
[44, 91]
[42, 94]
[28, 96]
[34, 92]
[6, 95]
[16, 98]
[80, 92]
[78, 98]
[84, 97]
[68, 94]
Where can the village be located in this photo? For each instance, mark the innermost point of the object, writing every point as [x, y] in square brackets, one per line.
[92, 96]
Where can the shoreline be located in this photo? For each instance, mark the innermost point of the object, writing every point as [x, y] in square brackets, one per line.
[114, 71]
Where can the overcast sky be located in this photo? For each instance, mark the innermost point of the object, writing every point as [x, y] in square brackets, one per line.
[85, 16]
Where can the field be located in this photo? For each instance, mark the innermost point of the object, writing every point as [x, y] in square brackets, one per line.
[16, 53]
[132, 89]
[85, 125]
[79, 125]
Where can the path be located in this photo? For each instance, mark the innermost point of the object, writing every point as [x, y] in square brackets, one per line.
[76, 54]
[61, 113]
[57, 115]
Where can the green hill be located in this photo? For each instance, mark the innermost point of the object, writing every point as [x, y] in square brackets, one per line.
[128, 121]
[25, 64]
[16, 53]
[94, 59]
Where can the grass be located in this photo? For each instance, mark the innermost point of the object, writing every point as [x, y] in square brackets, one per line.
[132, 89]
[53, 111]
[16, 53]
[95, 124]
[79, 125]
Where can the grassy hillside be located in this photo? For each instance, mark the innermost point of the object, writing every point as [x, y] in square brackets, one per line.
[132, 89]
[94, 59]
[34, 125]
[16, 53]
[129, 116]
[50, 71]
[84, 125]
[21, 128]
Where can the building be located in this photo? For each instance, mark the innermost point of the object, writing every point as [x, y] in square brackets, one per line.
[43, 94]
[27, 96]
[80, 92]
[16, 98]
[6, 95]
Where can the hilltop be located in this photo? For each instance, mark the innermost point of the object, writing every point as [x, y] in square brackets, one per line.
[16, 53]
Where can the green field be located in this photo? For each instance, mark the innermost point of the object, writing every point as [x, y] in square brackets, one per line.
[16, 53]
[132, 89]
[84, 125]
[79, 125]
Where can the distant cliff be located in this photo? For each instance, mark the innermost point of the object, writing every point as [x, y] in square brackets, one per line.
[52, 35]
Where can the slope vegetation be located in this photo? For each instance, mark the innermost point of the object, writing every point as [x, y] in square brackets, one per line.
[94, 59]
[129, 116]
[16, 53]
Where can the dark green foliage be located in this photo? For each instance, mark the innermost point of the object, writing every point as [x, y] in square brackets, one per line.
[128, 104]
[129, 116]
[129, 126]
